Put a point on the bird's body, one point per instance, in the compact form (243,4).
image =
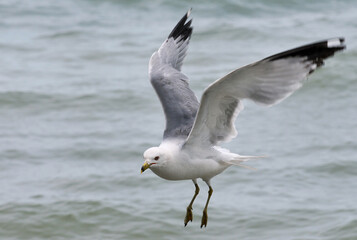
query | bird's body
(190,147)
(181,164)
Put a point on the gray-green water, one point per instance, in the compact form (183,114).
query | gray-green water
(77,111)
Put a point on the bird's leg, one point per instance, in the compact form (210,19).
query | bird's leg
(189,207)
(204,216)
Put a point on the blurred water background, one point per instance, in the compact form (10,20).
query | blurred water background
(77,111)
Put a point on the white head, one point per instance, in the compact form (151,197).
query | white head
(154,158)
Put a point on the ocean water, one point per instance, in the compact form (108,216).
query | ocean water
(77,111)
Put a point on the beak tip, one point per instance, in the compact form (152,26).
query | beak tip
(144,167)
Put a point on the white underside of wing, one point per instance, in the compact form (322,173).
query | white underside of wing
(265,82)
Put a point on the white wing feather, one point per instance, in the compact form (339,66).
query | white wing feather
(268,82)
(264,82)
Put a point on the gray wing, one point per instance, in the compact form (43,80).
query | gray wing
(268,82)
(178,101)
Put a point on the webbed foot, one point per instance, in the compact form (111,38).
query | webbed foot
(204,218)
(189,216)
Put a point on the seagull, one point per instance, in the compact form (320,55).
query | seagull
(190,148)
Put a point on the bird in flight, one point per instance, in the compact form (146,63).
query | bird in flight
(190,147)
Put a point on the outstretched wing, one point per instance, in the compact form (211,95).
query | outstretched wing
(268,81)
(178,101)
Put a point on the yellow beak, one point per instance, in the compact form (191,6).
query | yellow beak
(144,167)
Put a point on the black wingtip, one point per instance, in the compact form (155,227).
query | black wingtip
(316,52)
(182,28)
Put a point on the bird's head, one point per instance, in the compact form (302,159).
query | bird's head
(154,158)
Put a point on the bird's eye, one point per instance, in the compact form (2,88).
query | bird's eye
(156,158)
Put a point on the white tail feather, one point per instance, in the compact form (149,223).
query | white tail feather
(243,158)
(244,166)
(238,159)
